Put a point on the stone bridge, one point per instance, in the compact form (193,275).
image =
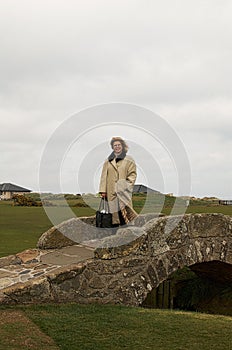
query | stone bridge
(126,274)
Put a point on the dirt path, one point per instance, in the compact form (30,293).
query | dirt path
(17,332)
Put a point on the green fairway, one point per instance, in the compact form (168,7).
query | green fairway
(21,227)
(222,209)
(104,327)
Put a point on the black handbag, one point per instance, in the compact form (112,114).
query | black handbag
(103,216)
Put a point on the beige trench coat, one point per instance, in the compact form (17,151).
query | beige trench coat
(117,180)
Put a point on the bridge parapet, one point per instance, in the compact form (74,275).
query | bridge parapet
(204,237)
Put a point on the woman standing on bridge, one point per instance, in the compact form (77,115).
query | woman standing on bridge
(117,182)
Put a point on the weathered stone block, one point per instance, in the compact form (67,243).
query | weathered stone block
(97,283)
(9,260)
(65,273)
(33,291)
(29,255)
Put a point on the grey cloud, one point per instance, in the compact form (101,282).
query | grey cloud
(172,56)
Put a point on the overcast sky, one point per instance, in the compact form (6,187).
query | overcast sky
(172,57)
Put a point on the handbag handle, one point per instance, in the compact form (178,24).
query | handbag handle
(104,205)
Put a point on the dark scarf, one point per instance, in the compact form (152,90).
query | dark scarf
(120,157)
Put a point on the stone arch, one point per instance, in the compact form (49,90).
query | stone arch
(197,284)
(153,257)
(126,274)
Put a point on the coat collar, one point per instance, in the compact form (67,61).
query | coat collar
(120,157)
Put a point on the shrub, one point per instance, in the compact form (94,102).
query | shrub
(22,200)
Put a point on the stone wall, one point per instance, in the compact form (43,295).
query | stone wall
(125,274)
(83,230)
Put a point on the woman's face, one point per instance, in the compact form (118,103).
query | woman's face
(117,147)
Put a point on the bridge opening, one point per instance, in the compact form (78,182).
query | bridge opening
(203,287)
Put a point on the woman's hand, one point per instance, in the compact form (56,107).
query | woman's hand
(103,194)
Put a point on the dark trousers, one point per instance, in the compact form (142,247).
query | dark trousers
(122,221)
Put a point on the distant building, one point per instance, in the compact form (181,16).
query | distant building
(225,202)
(8,190)
(143,189)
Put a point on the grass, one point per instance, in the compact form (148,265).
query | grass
(21,227)
(18,332)
(104,327)
(221,209)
